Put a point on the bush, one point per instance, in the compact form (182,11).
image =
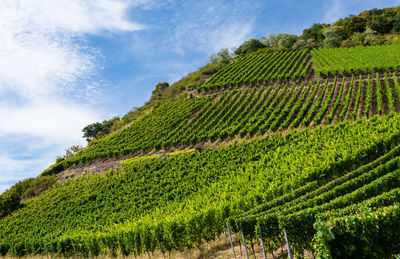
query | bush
(39,185)
(249,46)
(9,202)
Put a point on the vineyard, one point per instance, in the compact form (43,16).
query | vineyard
(248,113)
(261,68)
(181,201)
(356,59)
(285,148)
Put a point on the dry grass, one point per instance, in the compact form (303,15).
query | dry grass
(217,249)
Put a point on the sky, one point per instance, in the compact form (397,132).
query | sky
(67,63)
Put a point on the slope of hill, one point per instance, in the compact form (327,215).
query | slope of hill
(261,68)
(248,112)
(183,200)
(310,152)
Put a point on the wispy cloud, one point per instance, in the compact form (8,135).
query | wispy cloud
(209,25)
(14,169)
(42,49)
(48,70)
(54,121)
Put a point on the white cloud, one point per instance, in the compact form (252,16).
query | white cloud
(53,121)
(16,169)
(230,35)
(89,16)
(13,169)
(47,72)
(209,26)
(42,48)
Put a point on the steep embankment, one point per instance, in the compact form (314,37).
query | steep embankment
(296,149)
(241,114)
(183,200)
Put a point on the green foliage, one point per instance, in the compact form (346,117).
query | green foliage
(322,185)
(192,80)
(315,32)
(10,200)
(347,99)
(368,233)
(380,24)
(367,107)
(142,135)
(237,113)
(333,37)
(325,106)
(378,94)
(352,28)
(282,41)
(357,100)
(303,108)
(69,152)
(376,183)
(389,93)
(98,129)
(258,68)
(90,131)
(158,92)
(352,24)
(222,56)
(336,104)
(163,93)
(356,59)
(39,185)
(396,23)
(251,45)
(183,200)
(370,38)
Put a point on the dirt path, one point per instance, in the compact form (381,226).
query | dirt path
(350,108)
(327,90)
(374,100)
(363,97)
(384,97)
(333,100)
(346,89)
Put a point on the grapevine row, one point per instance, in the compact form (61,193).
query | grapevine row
(259,69)
(181,201)
(356,59)
(244,113)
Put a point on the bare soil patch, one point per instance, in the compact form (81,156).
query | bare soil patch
(350,108)
(374,100)
(333,100)
(385,100)
(363,98)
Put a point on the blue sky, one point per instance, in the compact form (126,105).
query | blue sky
(67,63)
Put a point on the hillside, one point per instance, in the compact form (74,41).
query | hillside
(184,199)
(288,147)
(246,112)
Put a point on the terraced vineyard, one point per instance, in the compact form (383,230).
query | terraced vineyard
(356,59)
(314,158)
(376,184)
(248,113)
(254,69)
(181,201)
